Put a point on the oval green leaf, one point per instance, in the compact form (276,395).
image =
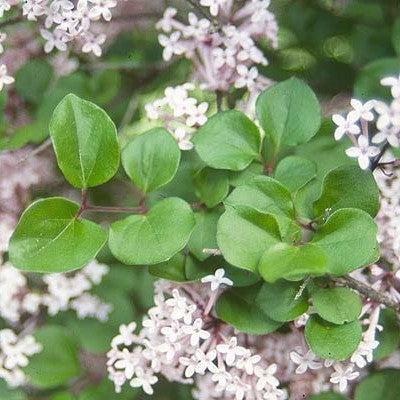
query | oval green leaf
(58,362)
(236,307)
(228,140)
(292,262)
(289,113)
(212,186)
(49,238)
(331,341)
(85,142)
(244,234)
(282,300)
(348,186)
(381,385)
(337,305)
(151,160)
(348,238)
(155,237)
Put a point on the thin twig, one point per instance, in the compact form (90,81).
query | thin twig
(375,163)
(34,152)
(131,210)
(367,291)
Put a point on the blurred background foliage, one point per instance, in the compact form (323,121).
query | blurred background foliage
(339,47)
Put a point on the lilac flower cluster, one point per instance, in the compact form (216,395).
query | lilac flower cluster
(223,47)
(371,126)
(182,340)
(61,292)
(180,113)
(329,374)
(14,355)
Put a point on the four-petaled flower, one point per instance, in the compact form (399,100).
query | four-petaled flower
(217,279)
(345,125)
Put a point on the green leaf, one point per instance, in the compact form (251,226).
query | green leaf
(62,396)
(267,195)
(49,238)
(337,305)
(151,159)
(327,396)
(389,337)
(331,341)
(32,80)
(381,385)
(104,86)
(396,36)
(292,262)
(105,391)
(172,270)
(294,172)
(348,186)
(204,235)
(7,393)
(85,142)
(289,113)
(228,140)
(264,194)
(244,234)
(242,177)
(236,307)
(367,85)
(58,362)
(212,186)
(348,238)
(282,300)
(155,237)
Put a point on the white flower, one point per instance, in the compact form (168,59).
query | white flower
(361,110)
(178,305)
(345,125)
(183,138)
(197,115)
(214,5)
(266,376)
(305,362)
(363,152)
(247,362)
(217,279)
(171,45)
(342,375)
(145,380)
(247,77)
(126,336)
(56,39)
(95,271)
(196,332)
(165,24)
(127,361)
(197,28)
(220,376)
(394,83)
(93,44)
(224,57)
(391,135)
(231,350)
(4,6)
(198,363)
(238,387)
(4,78)
(102,8)
(388,115)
